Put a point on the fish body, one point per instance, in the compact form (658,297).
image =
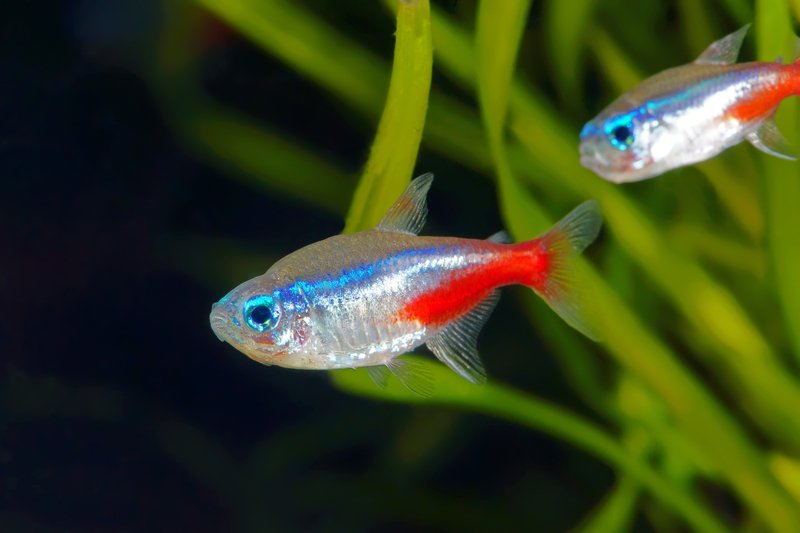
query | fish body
(363,299)
(690,113)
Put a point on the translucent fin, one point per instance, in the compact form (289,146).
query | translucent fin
(501,237)
(566,239)
(379,375)
(580,227)
(413,375)
(724,51)
(769,139)
(456,345)
(408,213)
(796,49)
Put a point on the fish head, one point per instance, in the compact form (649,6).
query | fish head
(623,144)
(263,320)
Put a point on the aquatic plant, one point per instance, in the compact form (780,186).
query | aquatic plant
(695,386)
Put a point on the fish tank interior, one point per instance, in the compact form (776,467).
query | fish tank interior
(155,154)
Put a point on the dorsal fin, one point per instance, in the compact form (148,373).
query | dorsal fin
(408,213)
(501,237)
(456,345)
(724,51)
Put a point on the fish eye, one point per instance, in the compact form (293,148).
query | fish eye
(261,313)
(621,135)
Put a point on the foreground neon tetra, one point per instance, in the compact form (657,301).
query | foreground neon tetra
(690,113)
(363,299)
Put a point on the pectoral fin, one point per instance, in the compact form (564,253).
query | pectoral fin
(769,139)
(724,51)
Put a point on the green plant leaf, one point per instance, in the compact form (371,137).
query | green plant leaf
(618,68)
(496,57)
(276,25)
(394,151)
(268,160)
(503,402)
(286,30)
(616,511)
(781,179)
(567,24)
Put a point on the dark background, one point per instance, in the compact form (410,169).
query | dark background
(120,409)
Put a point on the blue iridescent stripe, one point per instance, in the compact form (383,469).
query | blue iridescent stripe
(365,272)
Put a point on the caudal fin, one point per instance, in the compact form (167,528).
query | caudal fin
(555,282)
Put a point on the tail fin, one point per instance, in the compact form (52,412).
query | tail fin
(796,49)
(566,239)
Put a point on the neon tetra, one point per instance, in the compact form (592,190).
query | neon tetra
(364,299)
(690,113)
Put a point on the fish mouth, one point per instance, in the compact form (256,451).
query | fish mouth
(591,156)
(588,161)
(218,320)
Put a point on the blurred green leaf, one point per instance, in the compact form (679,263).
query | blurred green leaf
(269,161)
(618,510)
(504,402)
(782,179)
(284,28)
(451,128)
(394,150)
(740,10)
(697,25)
(618,68)
(496,58)
(566,24)
(720,249)
(787,470)
(695,410)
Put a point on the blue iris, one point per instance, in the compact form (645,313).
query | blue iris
(261,312)
(620,132)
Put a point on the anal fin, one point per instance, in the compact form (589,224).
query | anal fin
(413,375)
(456,345)
(379,375)
(770,140)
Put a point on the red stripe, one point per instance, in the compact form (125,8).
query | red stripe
(525,263)
(763,102)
